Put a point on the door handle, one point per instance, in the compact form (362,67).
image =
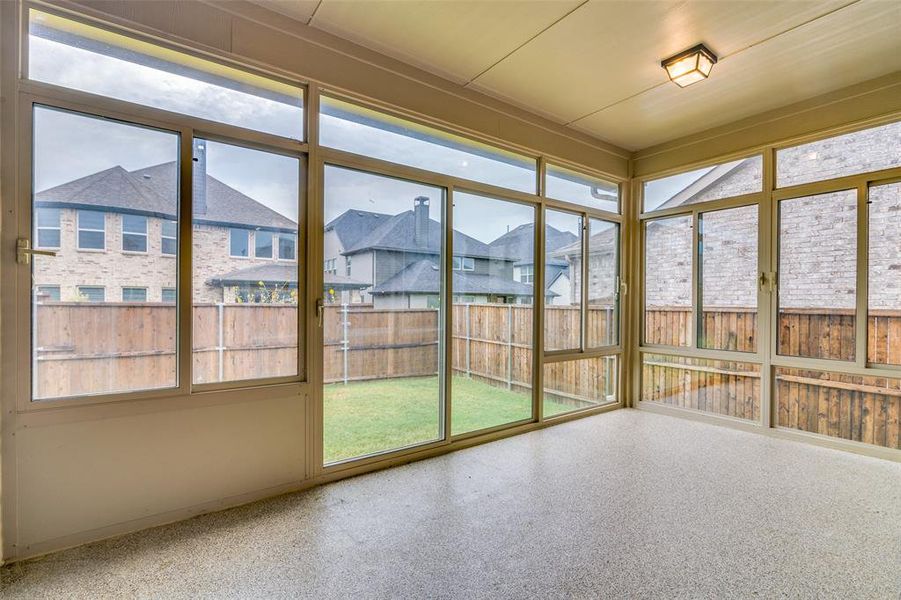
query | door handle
(320,310)
(24,251)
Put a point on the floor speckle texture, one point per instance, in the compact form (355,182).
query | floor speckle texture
(626,504)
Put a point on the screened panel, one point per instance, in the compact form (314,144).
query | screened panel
(571,186)
(667,281)
(735,178)
(850,154)
(603,284)
(360,130)
(579,384)
(884,326)
(562,280)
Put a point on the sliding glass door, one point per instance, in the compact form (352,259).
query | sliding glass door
(382,314)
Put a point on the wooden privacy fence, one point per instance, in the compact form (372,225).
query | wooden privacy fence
(857,408)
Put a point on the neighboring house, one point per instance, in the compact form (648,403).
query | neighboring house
(520,242)
(398,257)
(116,240)
(602,268)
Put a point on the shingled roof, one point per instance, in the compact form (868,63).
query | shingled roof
(519,243)
(281,273)
(422,277)
(153,191)
(360,231)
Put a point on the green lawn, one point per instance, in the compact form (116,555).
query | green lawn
(373,416)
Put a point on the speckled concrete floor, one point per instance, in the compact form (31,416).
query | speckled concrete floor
(627,504)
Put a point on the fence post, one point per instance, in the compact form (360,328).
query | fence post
(220,340)
(345,344)
(468,341)
(509,346)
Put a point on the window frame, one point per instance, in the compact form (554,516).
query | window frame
(59,229)
(79,229)
(256,245)
(133,288)
(145,235)
(79,289)
(164,237)
(231,242)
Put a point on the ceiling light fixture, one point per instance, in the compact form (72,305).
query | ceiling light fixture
(690,66)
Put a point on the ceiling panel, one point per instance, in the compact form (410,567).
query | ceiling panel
(451,38)
(609,50)
(855,44)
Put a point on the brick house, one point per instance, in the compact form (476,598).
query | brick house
(115,235)
(397,258)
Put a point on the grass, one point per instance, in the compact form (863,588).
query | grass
(373,416)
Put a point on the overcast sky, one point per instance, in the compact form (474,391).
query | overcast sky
(68,146)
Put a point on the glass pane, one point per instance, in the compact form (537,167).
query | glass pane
(286,247)
(570,186)
(577,384)
(728,278)
(134,294)
(245,308)
(262,244)
(82,57)
(849,154)
(851,407)
(742,176)
(381,326)
(884,338)
(349,127)
(86,341)
(492,347)
(718,387)
(818,275)
(562,280)
(667,281)
(603,284)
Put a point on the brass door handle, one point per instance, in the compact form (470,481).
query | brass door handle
(24,251)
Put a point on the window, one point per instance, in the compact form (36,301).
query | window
(134,294)
(347,265)
(91,230)
(667,281)
(134,233)
(464,263)
(47,228)
(562,261)
(48,293)
(91,293)
(287,245)
(353,128)
(735,178)
(727,243)
(720,387)
(108,348)
(246,322)
(331,266)
(169,237)
(168,296)
(570,186)
(884,343)
(851,407)
(87,58)
(239,242)
(573,385)
(850,154)
(382,365)
(818,276)
(603,284)
(527,274)
(262,244)
(492,339)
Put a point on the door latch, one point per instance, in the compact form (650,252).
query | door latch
(320,310)
(24,251)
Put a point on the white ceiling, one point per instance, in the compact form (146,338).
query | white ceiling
(595,65)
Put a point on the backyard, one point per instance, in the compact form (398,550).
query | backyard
(400,412)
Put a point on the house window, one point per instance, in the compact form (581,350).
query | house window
(169,238)
(134,294)
(48,293)
(527,274)
(91,293)
(91,230)
(134,233)
(331,266)
(168,295)
(262,244)
(347,266)
(239,243)
(48,231)
(287,247)
(464,263)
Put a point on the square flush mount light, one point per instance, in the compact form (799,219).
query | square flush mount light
(690,66)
